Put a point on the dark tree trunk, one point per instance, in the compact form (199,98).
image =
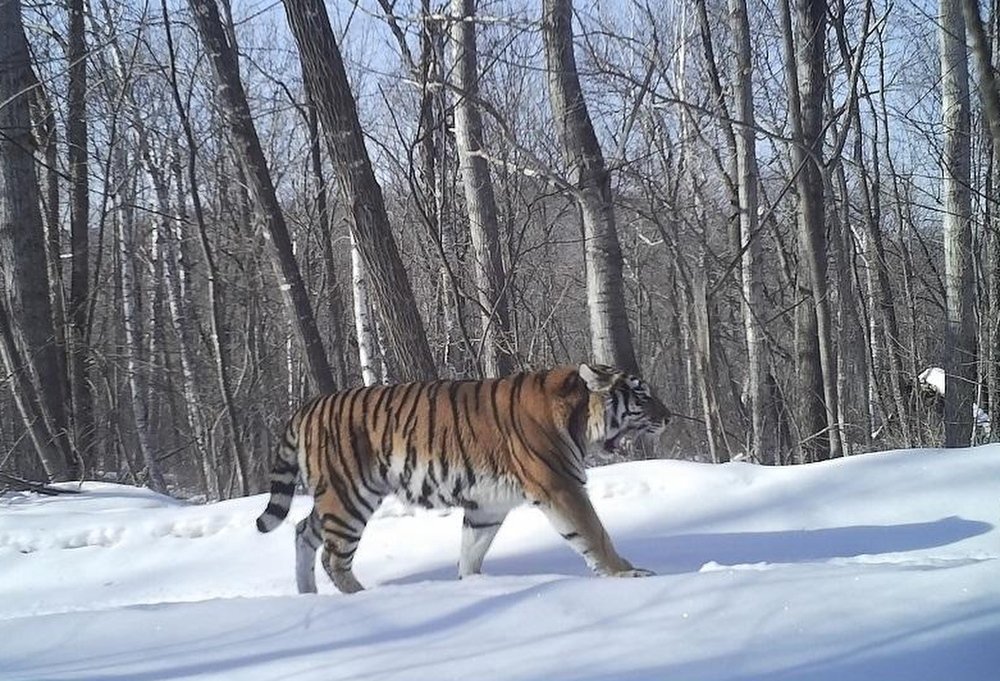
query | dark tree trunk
(24,285)
(79,188)
(323,68)
(233,103)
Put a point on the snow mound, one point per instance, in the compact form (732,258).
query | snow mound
(882,566)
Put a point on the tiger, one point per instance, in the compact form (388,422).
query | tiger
(485,446)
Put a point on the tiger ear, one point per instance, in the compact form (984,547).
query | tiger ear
(597,381)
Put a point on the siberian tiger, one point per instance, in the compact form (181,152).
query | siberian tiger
(486,446)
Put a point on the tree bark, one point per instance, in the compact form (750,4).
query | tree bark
(24,284)
(747,174)
(323,68)
(138,386)
(610,335)
(805,65)
(79,278)
(960,335)
(241,460)
(233,103)
(364,325)
(480,202)
(990,97)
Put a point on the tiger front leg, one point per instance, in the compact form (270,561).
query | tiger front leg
(574,518)
(479,527)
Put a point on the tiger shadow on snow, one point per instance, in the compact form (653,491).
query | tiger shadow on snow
(671,554)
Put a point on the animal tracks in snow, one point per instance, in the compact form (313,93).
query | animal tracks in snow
(96,532)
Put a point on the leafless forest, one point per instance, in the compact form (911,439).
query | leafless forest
(780,214)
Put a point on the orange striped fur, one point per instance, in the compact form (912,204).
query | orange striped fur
(485,446)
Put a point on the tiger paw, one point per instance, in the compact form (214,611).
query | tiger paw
(634,572)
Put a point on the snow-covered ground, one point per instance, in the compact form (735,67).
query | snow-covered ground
(878,567)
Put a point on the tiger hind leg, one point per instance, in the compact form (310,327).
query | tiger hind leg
(307,542)
(340,541)
(338,557)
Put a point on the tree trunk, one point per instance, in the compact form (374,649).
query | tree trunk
(241,461)
(763,444)
(990,97)
(364,325)
(390,287)
(233,103)
(960,334)
(138,386)
(805,65)
(182,316)
(480,202)
(324,218)
(610,336)
(24,284)
(79,278)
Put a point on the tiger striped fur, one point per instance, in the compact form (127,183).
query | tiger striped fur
(486,446)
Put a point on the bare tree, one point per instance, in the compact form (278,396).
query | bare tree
(138,386)
(393,296)
(479,198)
(222,362)
(805,60)
(610,335)
(990,97)
(232,99)
(79,280)
(24,286)
(960,334)
(747,178)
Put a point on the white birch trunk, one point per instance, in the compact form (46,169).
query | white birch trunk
(364,324)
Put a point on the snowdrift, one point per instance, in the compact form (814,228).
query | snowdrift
(883,566)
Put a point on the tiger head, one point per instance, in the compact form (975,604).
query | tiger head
(630,407)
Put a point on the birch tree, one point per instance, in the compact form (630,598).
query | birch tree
(79,280)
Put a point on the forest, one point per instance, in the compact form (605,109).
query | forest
(781,215)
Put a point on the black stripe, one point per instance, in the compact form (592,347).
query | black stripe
(348,537)
(276,509)
(494,389)
(478,526)
(340,485)
(349,479)
(362,465)
(285,488)
(570,536)
(335,520)
(408,423)
(432,394)
(469,409)
(345,556)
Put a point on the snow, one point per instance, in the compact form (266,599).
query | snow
(934,378)
(883,566)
